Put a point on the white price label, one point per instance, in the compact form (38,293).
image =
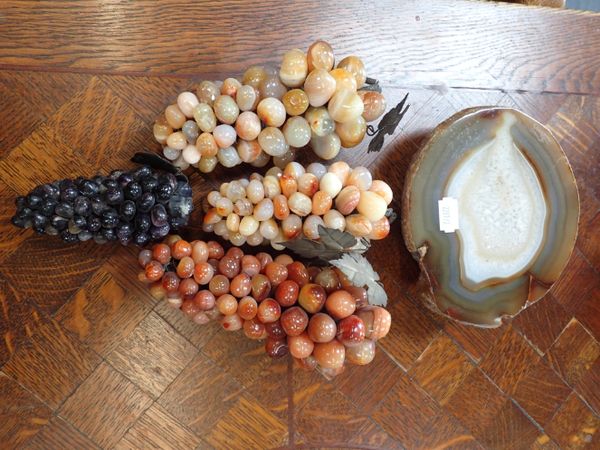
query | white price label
(448,213)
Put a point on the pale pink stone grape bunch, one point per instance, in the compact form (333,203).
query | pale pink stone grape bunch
(289,203)
(271,113)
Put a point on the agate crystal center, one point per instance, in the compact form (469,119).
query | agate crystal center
(502,210)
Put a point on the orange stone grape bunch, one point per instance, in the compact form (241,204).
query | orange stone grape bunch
(314,314)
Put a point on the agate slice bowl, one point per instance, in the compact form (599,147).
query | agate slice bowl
(515,200)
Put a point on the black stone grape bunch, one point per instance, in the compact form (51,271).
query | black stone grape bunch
(139,206)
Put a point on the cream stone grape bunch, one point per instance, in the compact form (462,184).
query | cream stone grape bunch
(285,204)
(271,113)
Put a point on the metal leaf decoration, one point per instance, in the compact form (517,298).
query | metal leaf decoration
(332,244)
(387,125)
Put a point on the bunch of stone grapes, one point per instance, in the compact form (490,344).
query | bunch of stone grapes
(294,202)
(271,113)
(313,313)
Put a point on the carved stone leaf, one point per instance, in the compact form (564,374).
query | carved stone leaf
(360,273)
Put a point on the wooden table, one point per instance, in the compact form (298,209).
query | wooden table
(88,359)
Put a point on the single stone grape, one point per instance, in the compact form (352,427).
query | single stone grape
(276,348)
(186,101)
(253,329)
(358,225)
(301,346)
(272,141)
(356,67)
(247,126)
(271,111)
(320,121)
(227,304)
(297,131)
(247,98)
(319,87)
(161,130)
(247,308)
(207,92)
(345,105)
(374,105)
(268,311)
(205,117)
(287,292)
(351,133)
(205,300)
(343,80)
(294,321)
(351,331)
(294,68)
(362,353)
(360,177)
(271,86)
(295,102)
(175,118)
(226,109)
(230,87)
(312,297)
(372,206)
(225,135)
(261,287)
(326,147)
(232,322)
(330,355)
(219,285)
(347,200)
(277,273)
(320,56)
(254,76)
(377,321)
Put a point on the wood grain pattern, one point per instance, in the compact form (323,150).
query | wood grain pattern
(52,364)
(247,425)
(406,413)
(88,359)
(102,313)
(574,352)
(60,434)
(509,360)
(158,429)
(21,414)
(152,355)
(540,392)
(441,369)
(575,426)
(105,405)
(20,318)
(201,395)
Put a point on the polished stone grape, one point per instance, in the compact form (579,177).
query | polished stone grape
(268,311)
(322,328)
(276,348)
(287,293)
(294,321)
(301,346)
(312,297)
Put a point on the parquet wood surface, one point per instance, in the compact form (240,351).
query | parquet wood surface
(89,360)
